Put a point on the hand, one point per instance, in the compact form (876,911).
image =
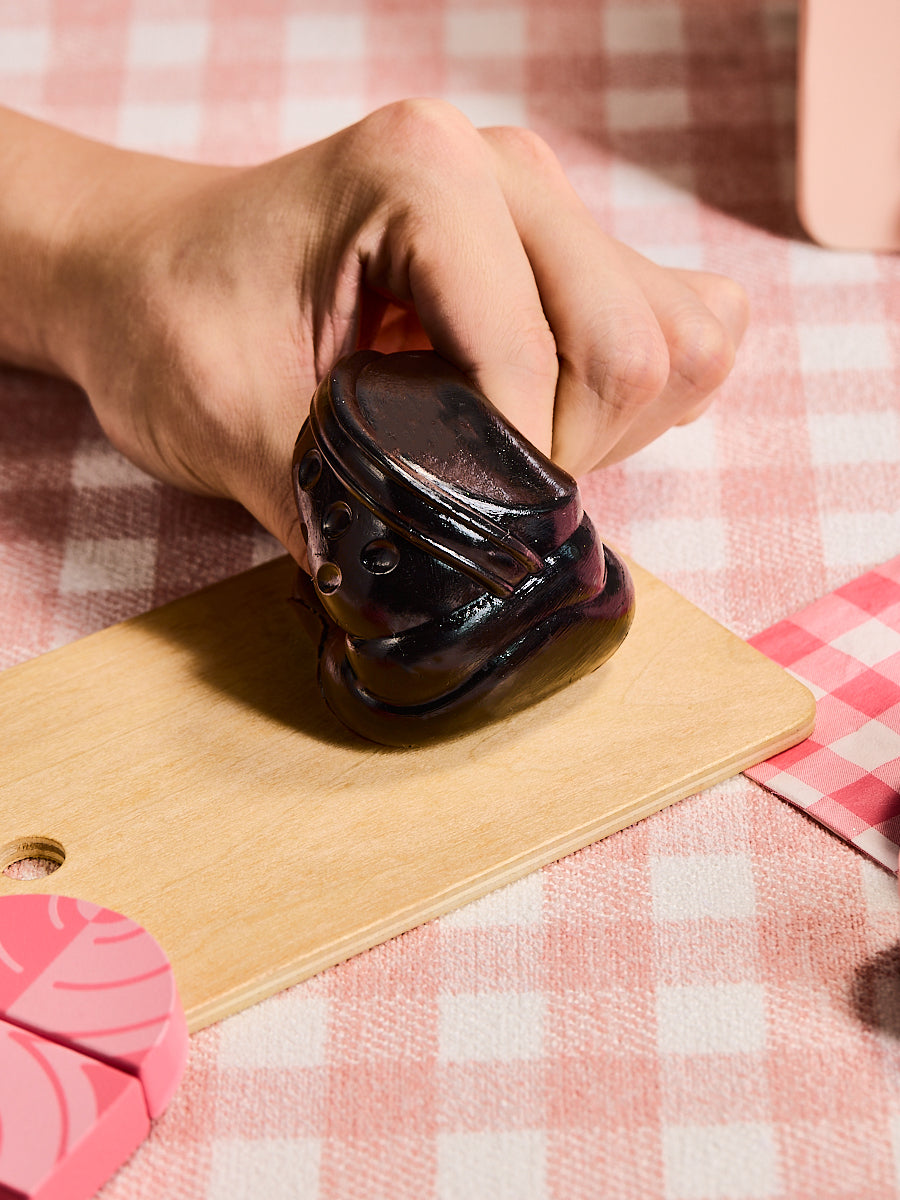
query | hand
(205,302)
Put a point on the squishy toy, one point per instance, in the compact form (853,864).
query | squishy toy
(454,576)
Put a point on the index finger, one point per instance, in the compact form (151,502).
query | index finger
(451,247)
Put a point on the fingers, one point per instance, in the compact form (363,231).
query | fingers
(588,348)
(722,296)
(727,300)
(451,249)
(702,318)
(641,348)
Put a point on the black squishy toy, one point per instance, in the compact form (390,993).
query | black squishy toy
(455,576)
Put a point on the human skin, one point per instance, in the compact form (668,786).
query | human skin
(198,306)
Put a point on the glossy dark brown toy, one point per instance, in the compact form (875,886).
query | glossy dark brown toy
(455,577)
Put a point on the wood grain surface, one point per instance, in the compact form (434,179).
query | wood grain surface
(184,766)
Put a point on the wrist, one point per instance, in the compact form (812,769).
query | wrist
(74,214)
(45,170)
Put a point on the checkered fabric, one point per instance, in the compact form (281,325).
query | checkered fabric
(705,1006)
(846,649)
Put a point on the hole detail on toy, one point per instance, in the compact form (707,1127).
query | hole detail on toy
(31,858)
(309,470)
(380,557)
(328,578)
(337,520)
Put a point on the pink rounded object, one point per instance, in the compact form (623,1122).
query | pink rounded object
(92,980)
(66,1121)
(848,123)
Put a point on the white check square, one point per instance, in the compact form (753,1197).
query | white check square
(815,265)
(726,1018)
(682,448)
(485,32)
(643,28)
(852,347)
(507,1165)
(159,127)
(107,564)
(647,108)
(693,886)
(277,1168)
(680,543)
(98,465)
(518,903)
(284,1031)
(327,36)
(847,536)
(870,746)
(491,1026)
(738,1161)
(24,51)
(871,642)
(799,793)
(860,437)
(162,44)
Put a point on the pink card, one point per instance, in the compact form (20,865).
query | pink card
(846,649)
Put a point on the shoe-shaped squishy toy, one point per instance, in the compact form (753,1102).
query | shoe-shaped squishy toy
(454,575)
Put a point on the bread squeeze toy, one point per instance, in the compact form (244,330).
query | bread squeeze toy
(455,577)
(93,1042)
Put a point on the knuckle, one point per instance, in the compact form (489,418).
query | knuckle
(635,372)
(701,352)
(736,302)
(418,130)
(526,146)
(728,301)
(535,352)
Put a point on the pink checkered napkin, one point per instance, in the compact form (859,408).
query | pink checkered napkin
(846,649)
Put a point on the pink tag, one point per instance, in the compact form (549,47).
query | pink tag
(846,649)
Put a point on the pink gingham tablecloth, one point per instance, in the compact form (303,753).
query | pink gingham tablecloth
(703,1007)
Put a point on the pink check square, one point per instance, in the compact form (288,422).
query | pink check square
(846,649)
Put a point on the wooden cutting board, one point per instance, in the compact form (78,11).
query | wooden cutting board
(184,766)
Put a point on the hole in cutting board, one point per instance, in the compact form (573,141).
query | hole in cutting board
(31,858)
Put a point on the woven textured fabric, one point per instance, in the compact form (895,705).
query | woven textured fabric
(705,1006)
(846,648)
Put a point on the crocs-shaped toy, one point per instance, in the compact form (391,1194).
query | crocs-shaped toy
(454,575)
